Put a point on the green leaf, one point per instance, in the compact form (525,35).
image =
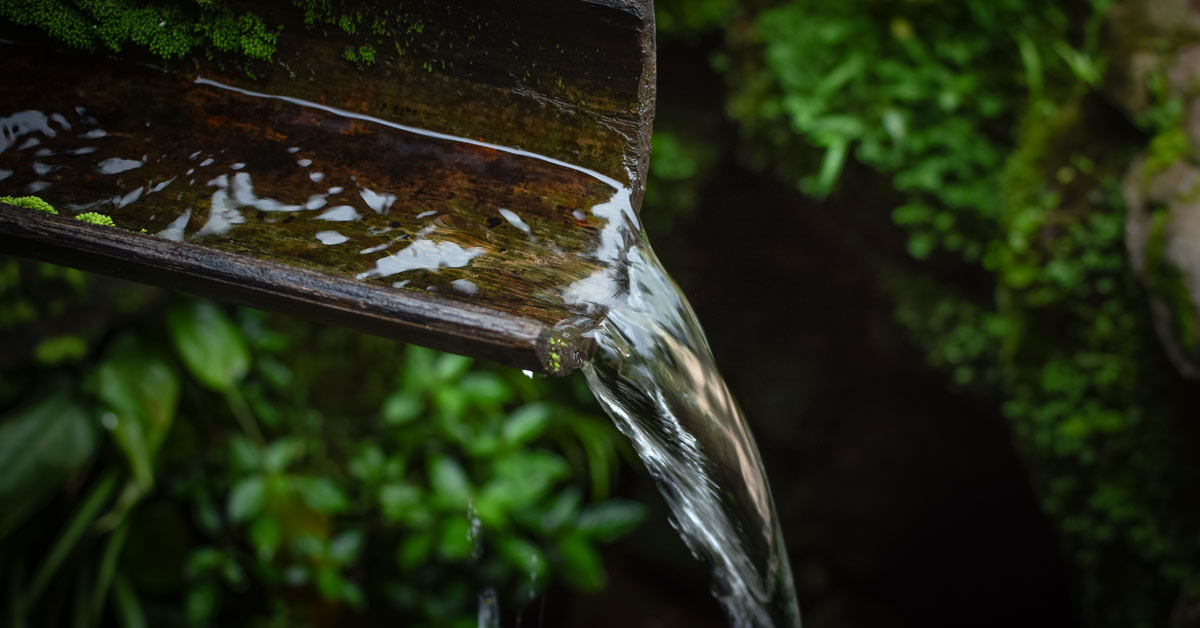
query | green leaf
(41,445)
(582,564)
(527,423)
(611,520)
(418,374)
(527,475)
(369,465)
(450,366)
(77,526)
(59,349)
(484,445)
(266,535)
(140,390)
(345,547)
(330,583)
(247,498)
(244,455)
(451,487)
(519,480)
(492,506)
(129,608)
(282,453)
(527,558)
(451,404)
(201,604)
(309,546)
(485,389)
(560,510)
(276,373)
(457,540)
(211,347)
(398,500)
(415,549)
(322,495)
(402,407)
(202,561)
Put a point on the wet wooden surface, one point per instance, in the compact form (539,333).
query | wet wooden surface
(306,190)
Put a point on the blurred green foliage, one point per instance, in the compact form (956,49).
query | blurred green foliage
(238,468)
(926,93)
(988,120)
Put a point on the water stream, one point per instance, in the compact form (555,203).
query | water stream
(654,374)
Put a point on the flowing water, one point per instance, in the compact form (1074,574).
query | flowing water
(655,376)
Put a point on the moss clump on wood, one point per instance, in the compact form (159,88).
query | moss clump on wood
(96,219)
(167,31)
(37,204)
(29,202)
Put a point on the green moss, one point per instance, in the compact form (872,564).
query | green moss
(1006,168)
(554,355)
(1168,281)
(1065,342)
(176,29)
(1167,148)
(367,53)
(165,31)
(364,54)
(96,219)
(315,11)
(29,202)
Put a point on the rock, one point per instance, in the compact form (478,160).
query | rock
(1162,234)
(1156,62)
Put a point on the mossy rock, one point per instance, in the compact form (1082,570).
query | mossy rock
(1163,237)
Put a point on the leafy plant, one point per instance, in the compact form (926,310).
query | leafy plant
(989,123)
(294,474)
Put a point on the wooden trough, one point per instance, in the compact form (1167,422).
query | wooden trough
(440,193)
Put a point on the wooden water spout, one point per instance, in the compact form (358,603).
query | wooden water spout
(424,174)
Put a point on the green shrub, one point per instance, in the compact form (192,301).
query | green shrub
(987,120)
(282,471)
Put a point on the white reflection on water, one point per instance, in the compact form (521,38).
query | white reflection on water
(117,165)
(425,255)
(330,238)
(514,220)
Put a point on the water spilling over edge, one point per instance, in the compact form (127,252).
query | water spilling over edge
(654,374)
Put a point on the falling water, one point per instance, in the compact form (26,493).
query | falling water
(656,378)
